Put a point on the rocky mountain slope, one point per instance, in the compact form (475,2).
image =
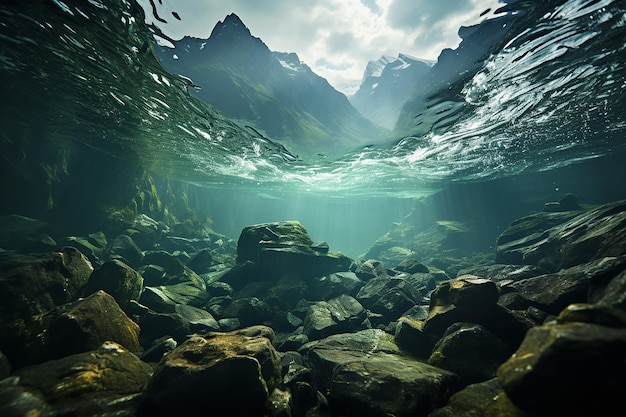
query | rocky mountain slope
(387,84)
(275,92)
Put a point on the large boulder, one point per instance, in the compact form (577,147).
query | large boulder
(553,292)
(325,354)
(68,329)
(365,374)
(117,279)
(337,315)
(573,369)
(592,235)
(253,238)
(286,248)
(89,383)
(470,351)
(230,374)
(481,399)
(33,284)
(389,385)
(333,285)
(503,272)
(389,296)
(470,299)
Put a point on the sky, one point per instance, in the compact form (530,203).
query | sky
(336,38)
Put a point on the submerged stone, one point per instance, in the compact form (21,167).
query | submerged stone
(285,248)
(481,399)
(389,385)
(72,328)
(591,235)
(78,382)
(230,374)
(573,369)
(117,279)
(325,354)
(470,351)
(337,315)
(33,284)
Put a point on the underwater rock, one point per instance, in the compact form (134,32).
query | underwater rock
(573,369)
(567,203)
(172,265)
(124,247)
(476,300)
(608,286)
(228,373)
(200,320)
(293,341)
(32,284)
(156,326)
(153,275)
(68,329)
(592,235)
(278,404)
(456,238)
(533,224)
(410,336)
(482,399)
(411,266)
(187,288)
(286,248)
(19,401)
(146,231)
(5,366)
(370,269)
(88,383)
(307,402)
(553,292)
(156,299)
(159,348)
(593,314)
(337,315)
(93,249)
(201,261)
(249,311)
(253,238)
(219,289)
(614,294)
(116,279)
(383,384)
(503,272)
(470,351)
(334,285)
(389,296)
(322,356)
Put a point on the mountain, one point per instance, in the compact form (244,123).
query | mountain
(439,100)
(387,84)
(275,92)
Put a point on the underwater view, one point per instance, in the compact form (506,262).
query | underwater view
(204,226)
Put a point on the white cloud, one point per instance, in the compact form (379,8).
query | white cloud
(336,38)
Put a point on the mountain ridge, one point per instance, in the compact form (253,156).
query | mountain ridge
(387,84)
(240,76)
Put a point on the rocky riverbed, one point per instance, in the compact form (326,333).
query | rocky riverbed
(154,323)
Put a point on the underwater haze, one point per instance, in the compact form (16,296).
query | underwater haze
(84,74)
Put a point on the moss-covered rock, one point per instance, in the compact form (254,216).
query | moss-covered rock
(108,371)
(33,284)
(72,328)
(573,369)
(230,373)
(117,279)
